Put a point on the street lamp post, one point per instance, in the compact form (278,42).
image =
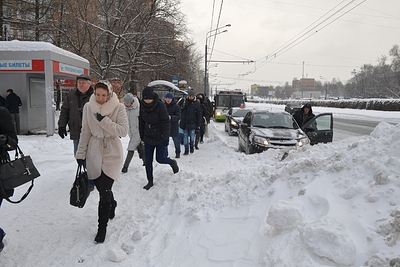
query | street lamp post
(208,35)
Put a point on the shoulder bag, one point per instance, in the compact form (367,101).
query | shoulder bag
(14,173)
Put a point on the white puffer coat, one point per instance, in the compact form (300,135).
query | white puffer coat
(100,141)
(133,117)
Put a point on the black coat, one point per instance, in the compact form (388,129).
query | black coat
(71,111)
(12,103)
(204,114)
(7,128)
(191,115)
(2,101)
(302,118)
(175,112)
(154,125)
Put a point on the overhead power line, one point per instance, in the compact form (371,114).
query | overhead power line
(310,30)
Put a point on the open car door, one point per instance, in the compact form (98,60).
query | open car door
(320,128)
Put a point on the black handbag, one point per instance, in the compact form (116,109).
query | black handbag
(80,189)
(14,173)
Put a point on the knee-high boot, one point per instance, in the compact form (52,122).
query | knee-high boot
(113,206)
(104,215)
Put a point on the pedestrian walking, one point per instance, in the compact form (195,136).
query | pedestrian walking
(72,110)
(8,141)
(12,103)
(104,122)
(154,126)
(132,107)
(190,121)
(204,114)
(174,112)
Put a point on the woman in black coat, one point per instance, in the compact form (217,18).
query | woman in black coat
(8,141)
(154,128)
(174,112)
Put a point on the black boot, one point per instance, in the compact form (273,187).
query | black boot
(128,160)
(104,215)
(113,206)
(148,185)
(174,166)
(191,149)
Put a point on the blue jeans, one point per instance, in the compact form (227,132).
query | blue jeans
(76,143)
(177,144)
(188,134)
(161,157)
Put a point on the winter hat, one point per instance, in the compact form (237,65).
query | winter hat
(199,96)
(169,95)
(83,77)
(307,105)
(148,93)
(107,84)
(128,98)
(191,92)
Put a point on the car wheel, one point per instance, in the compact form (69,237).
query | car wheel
(230,131)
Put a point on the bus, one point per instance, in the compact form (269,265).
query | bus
(224,100)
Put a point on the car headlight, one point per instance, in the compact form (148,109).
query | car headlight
(261,140)
(233,123)
(303,142)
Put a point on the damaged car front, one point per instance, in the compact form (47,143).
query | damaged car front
(261,130)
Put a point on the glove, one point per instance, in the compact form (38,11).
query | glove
(62,132)
(3,140)
(165,143)
(80,162)
(99,116)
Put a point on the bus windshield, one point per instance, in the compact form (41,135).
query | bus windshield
(229,101)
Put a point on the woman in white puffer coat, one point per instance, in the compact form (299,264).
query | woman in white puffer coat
(104,122)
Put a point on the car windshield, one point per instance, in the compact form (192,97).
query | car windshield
(294,105)
(240,112)
(274,120)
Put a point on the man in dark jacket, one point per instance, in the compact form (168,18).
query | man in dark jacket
(2,101)
(154,129)
(71,112)
(303,115)
(12,103)
(8,138)
(174,112)
(190,121)
(204,116)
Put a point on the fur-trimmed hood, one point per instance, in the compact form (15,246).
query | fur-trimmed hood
(104,109)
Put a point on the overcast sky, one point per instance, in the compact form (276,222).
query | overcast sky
(280,35)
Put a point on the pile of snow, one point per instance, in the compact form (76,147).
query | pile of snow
(326,205)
